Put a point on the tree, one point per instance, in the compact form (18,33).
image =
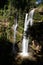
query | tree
(2,3)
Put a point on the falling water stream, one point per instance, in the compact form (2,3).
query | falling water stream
(15,32)
(28,21)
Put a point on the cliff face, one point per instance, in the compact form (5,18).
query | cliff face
(38,15)
(41,10)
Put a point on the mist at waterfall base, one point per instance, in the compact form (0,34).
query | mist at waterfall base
(25,42)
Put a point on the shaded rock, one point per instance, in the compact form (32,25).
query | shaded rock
(5,52)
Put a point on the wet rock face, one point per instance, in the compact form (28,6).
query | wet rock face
(37,29)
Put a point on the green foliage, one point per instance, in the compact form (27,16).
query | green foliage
(19,8)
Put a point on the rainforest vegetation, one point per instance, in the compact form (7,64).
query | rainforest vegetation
(10,11)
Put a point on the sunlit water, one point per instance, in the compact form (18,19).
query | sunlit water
(28,21)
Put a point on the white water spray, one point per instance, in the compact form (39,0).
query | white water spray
(26,39)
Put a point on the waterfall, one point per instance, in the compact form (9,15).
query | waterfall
(28,21)
(15,29)
(15,32)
